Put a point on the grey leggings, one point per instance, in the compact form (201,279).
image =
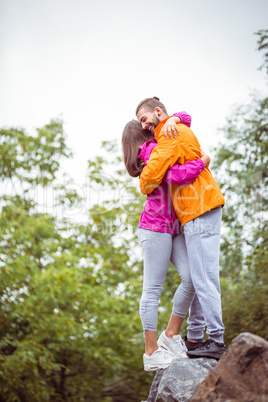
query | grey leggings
(159,249)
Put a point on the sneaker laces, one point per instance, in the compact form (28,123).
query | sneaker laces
(180,343)
(208,342)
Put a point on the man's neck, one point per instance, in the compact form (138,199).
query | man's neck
(159,127)
(163,116)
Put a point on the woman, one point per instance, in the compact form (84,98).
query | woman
(162,242)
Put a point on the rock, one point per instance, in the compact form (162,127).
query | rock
(240,375)
(178,381)
(155,385)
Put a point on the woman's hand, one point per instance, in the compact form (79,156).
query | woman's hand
(170,127)
(205,158)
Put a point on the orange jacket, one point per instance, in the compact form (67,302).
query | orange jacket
(189,201)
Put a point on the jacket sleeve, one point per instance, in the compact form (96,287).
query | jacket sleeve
(185,118)
(184,174)
(162,158)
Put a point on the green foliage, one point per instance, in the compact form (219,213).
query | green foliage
(32,159)
(70,327)
(241,161)
(263,45)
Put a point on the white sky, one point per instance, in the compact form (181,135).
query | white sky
(91,62)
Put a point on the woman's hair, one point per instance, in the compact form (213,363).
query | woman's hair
(134,136)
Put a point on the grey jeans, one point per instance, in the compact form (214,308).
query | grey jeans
(159,249)
(202,236)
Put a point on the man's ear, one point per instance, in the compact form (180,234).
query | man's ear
(158,111)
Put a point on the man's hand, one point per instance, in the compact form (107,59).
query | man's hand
(170,127)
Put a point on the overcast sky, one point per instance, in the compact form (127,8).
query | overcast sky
(91,62)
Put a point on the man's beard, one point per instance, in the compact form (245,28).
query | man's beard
(155,122)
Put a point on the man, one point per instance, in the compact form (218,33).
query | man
(199,208)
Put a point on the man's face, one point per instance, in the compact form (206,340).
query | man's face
(148,120)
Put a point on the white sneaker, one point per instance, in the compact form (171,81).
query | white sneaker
(159,359)
(175,345)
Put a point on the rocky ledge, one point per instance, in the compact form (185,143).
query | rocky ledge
(241,375)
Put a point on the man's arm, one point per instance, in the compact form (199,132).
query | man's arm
(162,158)
(178,174)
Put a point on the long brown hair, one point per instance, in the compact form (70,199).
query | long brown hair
(134,136)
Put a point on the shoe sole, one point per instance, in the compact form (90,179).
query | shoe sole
(154,368)
(216,356)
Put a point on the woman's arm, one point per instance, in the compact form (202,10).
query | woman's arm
(179,174)
(170,127)
(187,173)
(184,118)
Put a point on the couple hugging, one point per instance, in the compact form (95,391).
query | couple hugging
(180,223)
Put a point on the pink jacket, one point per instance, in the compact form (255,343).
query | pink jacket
(158,214)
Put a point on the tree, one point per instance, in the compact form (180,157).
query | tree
(70,328)
(263,45)
(242,164)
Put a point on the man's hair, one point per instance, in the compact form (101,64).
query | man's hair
(134,136)
(149,104)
